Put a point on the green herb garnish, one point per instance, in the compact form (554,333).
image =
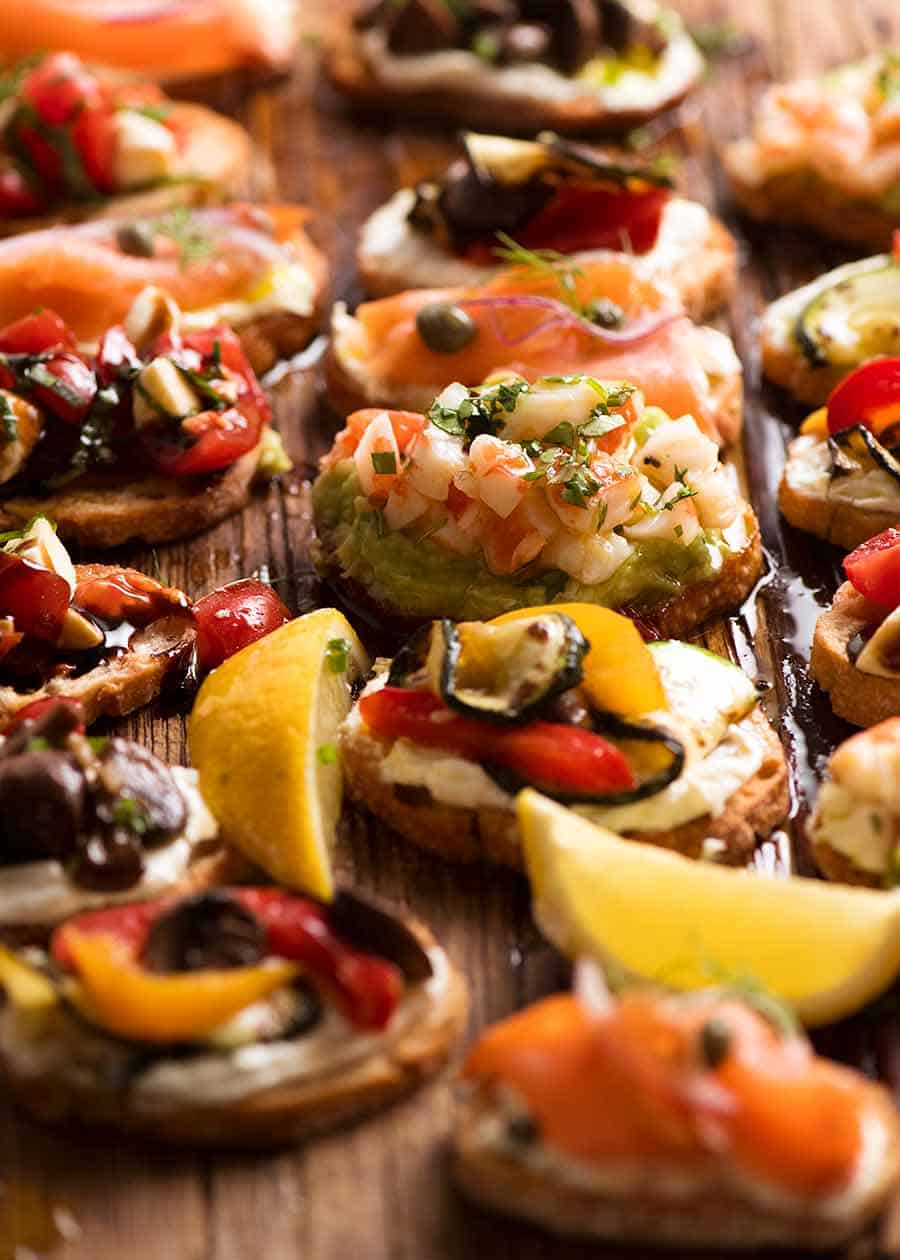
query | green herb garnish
(327,754)
(384,462)
(337,655)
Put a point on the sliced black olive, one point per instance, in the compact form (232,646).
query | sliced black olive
(508,673)
(372,927)
(107,860)
(136,238)
(42,805)
(474,204)
(211,930)
(858,450)
(445,328)
(138,792)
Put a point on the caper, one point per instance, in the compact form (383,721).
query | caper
(715,1042)
(604,313)
(522,1129)
(445,328)
(136,238)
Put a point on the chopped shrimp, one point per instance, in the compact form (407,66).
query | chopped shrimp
(499,471)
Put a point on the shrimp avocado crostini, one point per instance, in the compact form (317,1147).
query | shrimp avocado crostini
(514,494)
(662,743)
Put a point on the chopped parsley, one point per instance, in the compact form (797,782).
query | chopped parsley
(578,487)
(683,492)
(481,412)
(337,655)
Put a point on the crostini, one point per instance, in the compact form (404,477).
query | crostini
(662,743)
(855,826)
(157,436)
(75,144)
(575,66)
(168,41)
(512,495)
(542,318)
(547,194)
(670,1119)
(252,267)
(824,152)
(841,480)
(856,644)
(814,337)
(90,822)
(239,1017)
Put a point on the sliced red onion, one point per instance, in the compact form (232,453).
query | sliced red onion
(561,315)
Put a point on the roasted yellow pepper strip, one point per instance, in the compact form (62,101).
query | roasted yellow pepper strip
(620,674)
(816,423)
(25,987)
(123,998)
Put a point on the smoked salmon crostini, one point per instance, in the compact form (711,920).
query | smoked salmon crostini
(243,1016)
(668,1119)
(252,267)
(826,152)
(575,66)
(168,40)
(156,436)
(542,318)
(660,743)
(550,194)
(75,144)
(511,495)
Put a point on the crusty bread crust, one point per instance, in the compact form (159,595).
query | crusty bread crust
(491,834)
(212,167)
(121,684)
(351,74)
(841,523)
(860,698)
(104,511)
(276,1116)
(716,1214)
(279,335)
(789,199)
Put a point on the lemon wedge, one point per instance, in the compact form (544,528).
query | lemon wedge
(262,737)
(825,949)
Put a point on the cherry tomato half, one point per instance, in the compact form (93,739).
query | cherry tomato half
(65,385)
(874,568)
(17,196)
(35,334)
(35,598)
(95,140)
(869,396)
(59,89)
(233,617)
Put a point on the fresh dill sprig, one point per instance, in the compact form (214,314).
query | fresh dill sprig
(543,262)
(181,225)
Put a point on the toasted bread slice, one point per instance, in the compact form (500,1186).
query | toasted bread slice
(860,698)
(212,167)
(273,1116)
(491,834)
(785,365)
(714,1214)
(108,511)
(695,252)
(804,502)
(478,102)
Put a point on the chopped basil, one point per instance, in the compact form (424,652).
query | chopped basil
(601,423)
(563,435)
(578,487)
(38,373)
(384,462)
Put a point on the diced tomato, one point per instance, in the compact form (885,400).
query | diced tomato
(17,196)
(874,568)
(60,88)
(35,334)
(869,396)
(94,137)
(407,425)
(116,356)
(567,758)
(35,598)
(72,391)
(37,709)
(128,595)
(233,617)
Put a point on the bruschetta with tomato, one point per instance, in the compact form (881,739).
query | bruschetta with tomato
(662,743)
(91,821)
(243,1016)
(854,829)
(688,1121)
(252,267)
(548,194)
(825,152)
(513,494)
(841,480)
(856,644)
(79,144)
(157,435)
(573,65)
(542,317)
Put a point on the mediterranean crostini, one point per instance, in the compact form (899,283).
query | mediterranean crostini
(657,1118)
(542,318)
(518,65)
(841,480)
(825,152)
(856,645)
(240,1017)
(512,495)
(156,436)
(75,144)
(252,267)
(547,194)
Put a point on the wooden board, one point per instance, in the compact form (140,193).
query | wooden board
(380,1191)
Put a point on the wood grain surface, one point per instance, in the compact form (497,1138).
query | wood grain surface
(380,1191)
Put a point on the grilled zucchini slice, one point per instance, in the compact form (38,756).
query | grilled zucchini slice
(855,318)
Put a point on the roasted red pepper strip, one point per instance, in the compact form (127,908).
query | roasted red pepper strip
(874,568)
(869,396)
(567,757)
(365,987)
